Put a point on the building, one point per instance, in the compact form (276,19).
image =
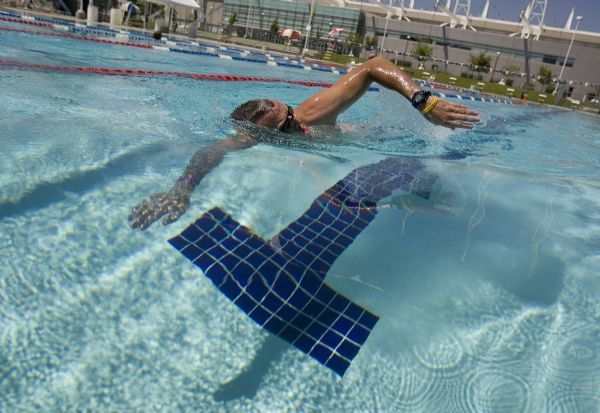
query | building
(452,33)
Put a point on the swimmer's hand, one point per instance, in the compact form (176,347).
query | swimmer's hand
(172,203)
(452,115)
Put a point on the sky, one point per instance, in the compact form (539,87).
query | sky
(557,11)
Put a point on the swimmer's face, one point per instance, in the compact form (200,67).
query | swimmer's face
(281,117)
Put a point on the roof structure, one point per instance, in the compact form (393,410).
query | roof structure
(530,24)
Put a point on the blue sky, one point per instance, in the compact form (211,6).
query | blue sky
(556,12)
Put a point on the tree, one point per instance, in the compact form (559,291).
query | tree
(544,75)
(372,41)
(274,27)
(232,19)
(511,70)
(480,63)
(422,50)
(354,38)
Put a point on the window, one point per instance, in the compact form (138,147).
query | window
(570,92)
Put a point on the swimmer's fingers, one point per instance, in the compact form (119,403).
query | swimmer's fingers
(148,211)
(145,218)
(452,115)
(176,210)
(459,124)
(463,116)
(137,210)
(172,217)
(174,203)
(463,110)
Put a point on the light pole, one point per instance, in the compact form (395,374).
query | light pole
(579,19)
(494,69)
(209,18)
(308,27)
(262,20)
(406,46)
(387,21)
(248,18)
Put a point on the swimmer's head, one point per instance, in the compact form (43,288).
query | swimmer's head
(252,110)
(269,113)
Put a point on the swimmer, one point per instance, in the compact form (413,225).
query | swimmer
(322,108)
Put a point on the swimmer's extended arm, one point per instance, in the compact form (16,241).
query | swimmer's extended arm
(174,202)
(329,103)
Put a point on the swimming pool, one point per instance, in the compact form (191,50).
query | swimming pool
(487,291)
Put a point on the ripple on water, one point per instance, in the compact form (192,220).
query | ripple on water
(510,340)
(495,390)
(405,382)
(573,402)
(444,358)
(574,359)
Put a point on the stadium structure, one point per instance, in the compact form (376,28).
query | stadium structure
(517,49)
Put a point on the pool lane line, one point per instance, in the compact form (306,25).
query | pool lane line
(174,45)
(207,76)
(76,37)
(25,21)
(471,98)
(139,72)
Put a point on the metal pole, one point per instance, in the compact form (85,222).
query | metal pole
(308,28)
(206,21)
(579,19)
(494,69)
(248,18)
(387,20)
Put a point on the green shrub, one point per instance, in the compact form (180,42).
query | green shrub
(527,86)
(404,63)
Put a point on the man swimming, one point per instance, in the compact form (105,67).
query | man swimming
(322,108)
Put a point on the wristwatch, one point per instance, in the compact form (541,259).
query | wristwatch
(419,98)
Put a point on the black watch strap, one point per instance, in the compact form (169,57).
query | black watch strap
(419,98)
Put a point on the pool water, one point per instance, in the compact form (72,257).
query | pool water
(487,291)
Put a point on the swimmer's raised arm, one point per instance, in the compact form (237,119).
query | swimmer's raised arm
(325,106)
(174,202)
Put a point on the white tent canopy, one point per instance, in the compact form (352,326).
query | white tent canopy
(176,3)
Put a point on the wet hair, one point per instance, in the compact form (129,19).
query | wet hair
(252,110)
(157,35)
